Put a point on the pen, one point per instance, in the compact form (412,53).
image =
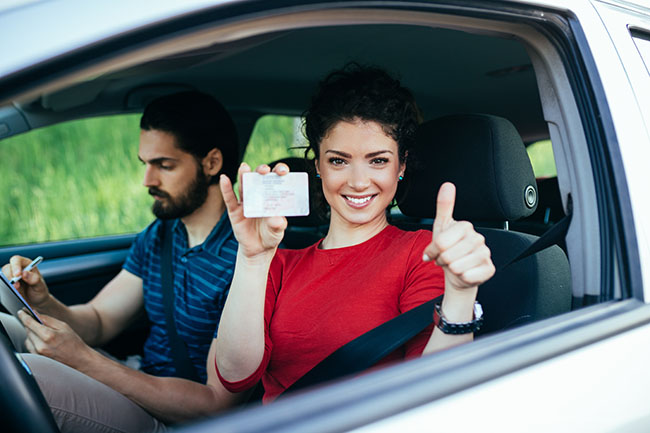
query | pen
(29,267)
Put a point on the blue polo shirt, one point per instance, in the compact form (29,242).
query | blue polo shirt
(202,277)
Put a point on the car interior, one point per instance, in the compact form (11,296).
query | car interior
(487,88)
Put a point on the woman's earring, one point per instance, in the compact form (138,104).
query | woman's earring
(401,178)
(317,176)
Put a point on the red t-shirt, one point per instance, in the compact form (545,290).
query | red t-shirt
(318,300)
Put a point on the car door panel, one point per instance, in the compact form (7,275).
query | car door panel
(77,270)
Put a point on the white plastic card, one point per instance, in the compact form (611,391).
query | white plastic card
(274,195)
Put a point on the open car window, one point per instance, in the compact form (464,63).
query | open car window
(73,180)
(275,137)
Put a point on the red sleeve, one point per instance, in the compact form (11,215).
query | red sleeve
(272,289)
(424,282)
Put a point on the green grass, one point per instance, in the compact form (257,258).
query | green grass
(541,157)
(74,180)
(274,137)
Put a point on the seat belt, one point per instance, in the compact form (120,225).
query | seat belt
(368,349)
(180,357)
(551,237)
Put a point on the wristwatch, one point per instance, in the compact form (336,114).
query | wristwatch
(458,328)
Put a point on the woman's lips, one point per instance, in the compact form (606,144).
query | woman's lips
(359,201)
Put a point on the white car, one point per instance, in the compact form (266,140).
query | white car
(568,342)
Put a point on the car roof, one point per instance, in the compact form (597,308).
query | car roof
(639,5)
(450,71)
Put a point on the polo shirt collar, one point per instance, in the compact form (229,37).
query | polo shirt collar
(219,234)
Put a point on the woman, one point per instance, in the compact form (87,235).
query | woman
(289,309)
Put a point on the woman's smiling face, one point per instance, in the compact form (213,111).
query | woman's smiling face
(359,167)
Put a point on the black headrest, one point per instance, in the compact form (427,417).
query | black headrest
(315,217)
(483,156)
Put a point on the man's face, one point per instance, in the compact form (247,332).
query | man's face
(174,177)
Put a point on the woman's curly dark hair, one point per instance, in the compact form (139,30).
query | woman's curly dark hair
(365,93)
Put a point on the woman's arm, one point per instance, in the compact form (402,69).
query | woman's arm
(240,344)
(466,262)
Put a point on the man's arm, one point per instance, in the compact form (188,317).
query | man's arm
(97,321)
(107,314)
(168,398)
(116,306)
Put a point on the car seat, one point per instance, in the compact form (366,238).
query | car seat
(485,158)
(549,210)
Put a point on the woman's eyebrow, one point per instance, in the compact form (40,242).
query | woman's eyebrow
(368,155)
(337,152)
(373,154)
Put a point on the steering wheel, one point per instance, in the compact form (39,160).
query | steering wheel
(23,405)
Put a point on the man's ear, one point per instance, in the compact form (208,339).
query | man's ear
(212,162)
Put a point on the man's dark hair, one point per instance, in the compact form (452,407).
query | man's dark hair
(365,93)
(199,123)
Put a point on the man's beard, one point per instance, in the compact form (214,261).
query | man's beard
(179,207)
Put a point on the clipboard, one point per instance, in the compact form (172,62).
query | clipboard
(13,301)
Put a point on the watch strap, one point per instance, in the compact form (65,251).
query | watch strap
(458,328)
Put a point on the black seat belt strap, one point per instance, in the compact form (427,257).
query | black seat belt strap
(549,238)
(366,350)
(180,357)
(371,347)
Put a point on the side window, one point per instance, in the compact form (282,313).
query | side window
(541,157)
(275,137)
(549,206)
(74,180)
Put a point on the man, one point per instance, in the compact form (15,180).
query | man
(187,140)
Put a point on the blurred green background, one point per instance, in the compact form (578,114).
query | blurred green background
(73,180)
(83,178)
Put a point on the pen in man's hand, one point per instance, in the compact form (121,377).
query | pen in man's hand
(29,267)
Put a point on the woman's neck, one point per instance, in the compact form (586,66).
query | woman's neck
(343,234)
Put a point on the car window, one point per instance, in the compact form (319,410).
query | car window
(275,137)
(73,180)
(541,157)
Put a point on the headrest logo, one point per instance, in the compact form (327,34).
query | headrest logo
(530,196)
